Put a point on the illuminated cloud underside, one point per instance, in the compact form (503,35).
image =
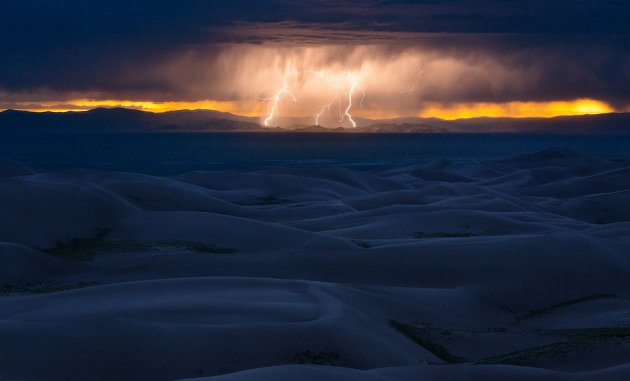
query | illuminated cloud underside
(332,84)
(447,59)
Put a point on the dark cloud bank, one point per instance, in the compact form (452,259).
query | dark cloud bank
(115,49)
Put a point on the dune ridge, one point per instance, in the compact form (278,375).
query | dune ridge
(510,268)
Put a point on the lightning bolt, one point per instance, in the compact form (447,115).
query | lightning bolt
(325,108)
(349,88)
(354,84)
(419,72)
(345,84)
(275,100)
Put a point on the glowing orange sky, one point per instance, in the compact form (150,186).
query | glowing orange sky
(330,84)
(517,109)
(245,80)
(258,108)
(244,108)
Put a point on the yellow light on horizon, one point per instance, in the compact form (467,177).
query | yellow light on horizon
(258,108)
(243,108)
(516,109)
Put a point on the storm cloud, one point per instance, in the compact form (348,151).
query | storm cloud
(425,51)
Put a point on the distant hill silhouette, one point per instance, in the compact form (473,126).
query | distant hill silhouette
(125,120)
(128,120)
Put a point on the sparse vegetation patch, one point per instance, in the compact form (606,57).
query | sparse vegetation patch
(324,357)
(272,200)
(362,244)
(444,234)
(421,337)
(550,308)
(566,341)
(84,249)
(41,287)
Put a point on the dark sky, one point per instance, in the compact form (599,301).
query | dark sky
(466,51)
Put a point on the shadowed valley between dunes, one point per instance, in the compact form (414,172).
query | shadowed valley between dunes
(494,269)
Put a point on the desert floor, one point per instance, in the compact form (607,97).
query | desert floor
(497,269)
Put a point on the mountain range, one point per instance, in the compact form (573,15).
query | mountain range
(129,120)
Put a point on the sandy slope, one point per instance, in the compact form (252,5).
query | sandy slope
(513,268)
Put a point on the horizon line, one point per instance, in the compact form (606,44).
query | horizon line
(71,111)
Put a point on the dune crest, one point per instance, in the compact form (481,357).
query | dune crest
(494,269)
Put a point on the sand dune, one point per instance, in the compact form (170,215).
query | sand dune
(413,373)
(513,268)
